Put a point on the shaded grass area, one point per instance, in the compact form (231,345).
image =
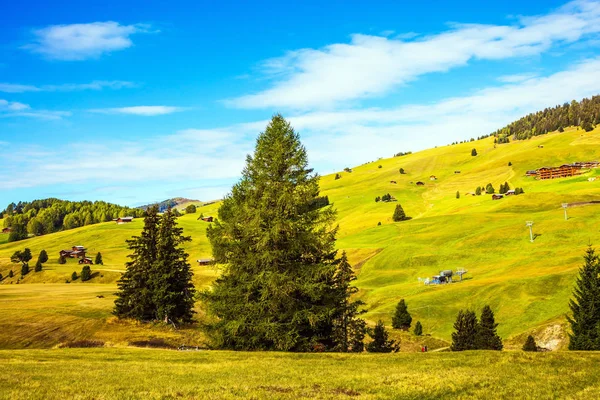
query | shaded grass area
(163,374)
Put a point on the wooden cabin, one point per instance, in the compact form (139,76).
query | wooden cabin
(457,172)
(497,196)
(510,192)
(206,219)
(564,171)
(393,182)
(86,260)
(76,251)
(532,172)
(204,261)
(123,220)
(6,230)
(420,183)
(433,178)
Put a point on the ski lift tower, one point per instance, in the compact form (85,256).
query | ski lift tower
(530,225)
(564,206)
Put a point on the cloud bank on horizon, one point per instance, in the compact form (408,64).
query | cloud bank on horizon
(356,97)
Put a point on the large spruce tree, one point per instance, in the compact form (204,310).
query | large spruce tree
(134,298)
(465,330)
(171,275)
(486,337)
(277,288)
(585,305)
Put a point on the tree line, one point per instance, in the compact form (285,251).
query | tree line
(51,215)
(584,114)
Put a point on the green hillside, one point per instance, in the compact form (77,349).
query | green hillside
(527,284)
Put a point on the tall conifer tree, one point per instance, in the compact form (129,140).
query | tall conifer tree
(134,298)
(277,288)
(171,275)
(401,318)
(585,305)
(465,330)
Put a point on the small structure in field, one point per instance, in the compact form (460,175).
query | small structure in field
(433,178)
(6,230)
(123,220)
(532,172)
(204,261)
(497,196)
(75,252)
(206,219)
(541,146)
(457,172)
(592,179)
(511,192)
(393,182)
(443,277)
(420,183)
(86,260)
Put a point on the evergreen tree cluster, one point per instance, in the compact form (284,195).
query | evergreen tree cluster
(191,209)
(584,114)
(157,283)
(585,305)
(400,154)
(385,198)
(282,286)
(40,217)
(471,334)
(489,189)
(504,187)
(338,176)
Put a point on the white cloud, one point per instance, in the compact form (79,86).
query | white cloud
(83,41)
(515,78)
(65,87)
(16,109)
(146,111)
(373,65)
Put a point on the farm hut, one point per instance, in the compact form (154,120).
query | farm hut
(393,182)
(6,230)
(207,219)
(204,261)
(420,183)
(497,196)
(541,146)
(532,172)
(510,192)
(592,179)
(123,220)
(433,178)
(86,260)
(457,172)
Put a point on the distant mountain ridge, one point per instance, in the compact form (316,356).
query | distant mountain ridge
(165,204)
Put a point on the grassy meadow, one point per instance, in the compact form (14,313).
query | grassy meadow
(163,374)
(526,284)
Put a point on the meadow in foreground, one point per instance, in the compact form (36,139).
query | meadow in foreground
(121,373)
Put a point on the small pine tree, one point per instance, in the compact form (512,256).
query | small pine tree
(457,194)
(380,343)
(585,318)
(401,318)
(86,273)
(379,223)
(465,331)
(337,176)
(377,199)
(486,337)
(38,266)
(399,214)
(478,191)
(489,189)
(561,129)
(418,329)
(510,164)
(379,166)
(11,274)
(98,260)
(74,276)
(474,152)
(62,259)
(530,344)
(402,172)
(24,269)
(43,257)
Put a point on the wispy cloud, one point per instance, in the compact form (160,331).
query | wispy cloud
(16,109)
(83,41)
(516,77)
(146,111)
(65,87)
(374,65)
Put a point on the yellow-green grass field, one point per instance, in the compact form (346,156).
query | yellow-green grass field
(527,284)
(164,374)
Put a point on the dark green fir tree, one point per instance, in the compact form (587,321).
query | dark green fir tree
(401,319)
(381,343)
(465,330)
(486,337)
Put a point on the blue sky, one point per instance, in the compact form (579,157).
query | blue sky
(133,102)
